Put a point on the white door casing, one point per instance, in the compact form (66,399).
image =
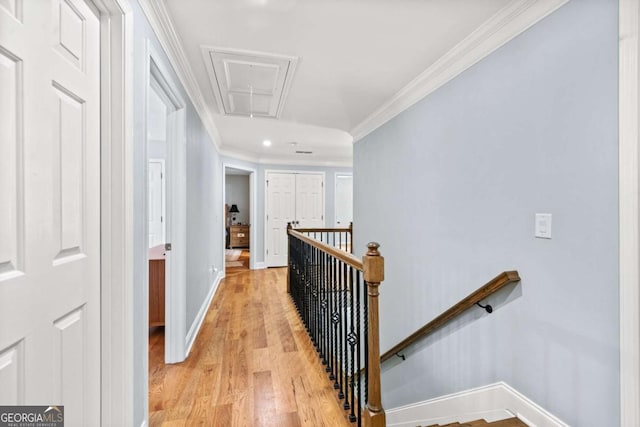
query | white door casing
(253,265)
(50,212)
(344,200)
(156,202)
(292,197)
(159,80)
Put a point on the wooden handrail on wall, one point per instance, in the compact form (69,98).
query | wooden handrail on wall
(497,283)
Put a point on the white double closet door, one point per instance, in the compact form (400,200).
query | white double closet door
(50,207)
(296,198)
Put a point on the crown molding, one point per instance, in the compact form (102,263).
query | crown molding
(506,24)
(163,27)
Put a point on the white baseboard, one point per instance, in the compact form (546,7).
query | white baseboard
(492,402)
(259,266)
(197,322)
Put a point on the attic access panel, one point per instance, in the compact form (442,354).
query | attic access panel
(249,83)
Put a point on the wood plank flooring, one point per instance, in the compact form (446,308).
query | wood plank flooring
(252,364)
(243,259)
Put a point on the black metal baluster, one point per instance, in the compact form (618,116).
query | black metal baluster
(312,293)
(307,300)
(303,288)
(342,334)
(336,320)
(318,301)
(357,377)
(327,313)
(353,339)
(322,305)
(345,353)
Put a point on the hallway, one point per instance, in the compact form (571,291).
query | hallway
(252,364)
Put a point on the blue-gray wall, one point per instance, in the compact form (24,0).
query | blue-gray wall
(450,188)
(204,208)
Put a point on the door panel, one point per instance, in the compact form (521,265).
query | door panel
(50,211)
(309,201)
(12,374)
(68,171)
(11,167)
(280,211)
(344,200)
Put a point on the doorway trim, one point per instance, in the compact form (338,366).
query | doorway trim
(629,211)
(116,201)
(253,264)
(176,212)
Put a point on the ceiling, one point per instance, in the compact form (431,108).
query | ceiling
(352,57)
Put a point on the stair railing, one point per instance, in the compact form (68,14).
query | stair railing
(336,295)
(340,238)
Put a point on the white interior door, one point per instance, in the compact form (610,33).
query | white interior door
(309,200)
(344,200)
(281,208)
(50,207)
(291,197)
(156,204)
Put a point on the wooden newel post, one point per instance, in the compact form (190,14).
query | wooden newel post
(351,237)
(373,265)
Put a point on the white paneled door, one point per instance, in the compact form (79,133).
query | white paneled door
(309,200)
(291,197)
(281,209)
(50,207)
(344,200)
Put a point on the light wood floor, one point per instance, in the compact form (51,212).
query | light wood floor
(252,364)
(243,259)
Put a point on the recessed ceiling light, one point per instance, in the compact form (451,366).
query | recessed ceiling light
(266,143)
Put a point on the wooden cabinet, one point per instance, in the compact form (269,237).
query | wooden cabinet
(156,285)
(239,236)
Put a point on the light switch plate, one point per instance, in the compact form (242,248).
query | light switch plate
(543,225)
